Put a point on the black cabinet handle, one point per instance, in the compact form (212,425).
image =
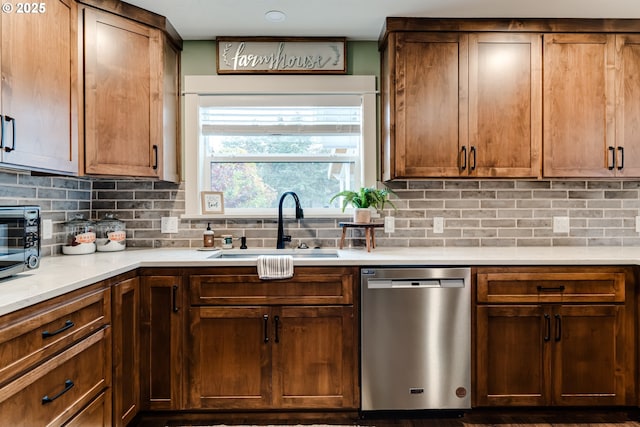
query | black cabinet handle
(1,131)
(621,161)
(551,289)
(265,318)
(13,136)
(472,153)
(276,321)
(612,155)
(68,384)
(463,154)
(68,324)
(155,157)
(547,327)
(558,327)
(174,298)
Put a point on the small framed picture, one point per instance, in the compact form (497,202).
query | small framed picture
(212,202)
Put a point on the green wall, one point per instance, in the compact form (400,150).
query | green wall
(199,58)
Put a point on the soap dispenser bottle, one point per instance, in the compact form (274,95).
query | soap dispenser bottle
(208,236)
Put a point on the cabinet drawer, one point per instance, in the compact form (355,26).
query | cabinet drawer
(521,285)
(41,333)
(230,286)
(53,392)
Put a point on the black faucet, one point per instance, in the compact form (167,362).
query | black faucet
(299,215)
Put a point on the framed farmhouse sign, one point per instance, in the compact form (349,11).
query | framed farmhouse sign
(287,55)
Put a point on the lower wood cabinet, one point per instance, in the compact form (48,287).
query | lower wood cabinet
(545,337)
(126,350)
(55,359)
(96,414)
(162,312)
(274,355)
(271,357)
(53,392)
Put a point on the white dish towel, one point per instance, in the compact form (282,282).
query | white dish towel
(271,267)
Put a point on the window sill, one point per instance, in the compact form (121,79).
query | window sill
(287,215)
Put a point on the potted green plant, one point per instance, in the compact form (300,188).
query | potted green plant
(363,200)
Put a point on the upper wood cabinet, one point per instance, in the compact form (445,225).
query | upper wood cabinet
(131,77)
(591,105)
(579,73)
(505,112)
(627,105)
(39,99)
(461,104)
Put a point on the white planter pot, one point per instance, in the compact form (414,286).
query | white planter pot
(362,215)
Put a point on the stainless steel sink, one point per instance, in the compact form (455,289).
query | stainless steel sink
(296,253)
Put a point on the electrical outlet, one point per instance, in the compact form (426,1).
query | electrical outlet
(438,225)
(169,224)
(638,224)
(389,224)
(47,229)
(561,224)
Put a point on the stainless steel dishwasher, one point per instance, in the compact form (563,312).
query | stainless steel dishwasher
(415,338)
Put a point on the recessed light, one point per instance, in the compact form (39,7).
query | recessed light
(275,16)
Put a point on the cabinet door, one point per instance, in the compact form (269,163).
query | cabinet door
(126,351)
(431,105)
(628,105)
(39,101)
(589,356)
(314,355)
(578,91)
(161,342)
(513,344)
(123,110)
(229,357)
(505,105)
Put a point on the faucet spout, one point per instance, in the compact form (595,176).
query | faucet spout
(299,215)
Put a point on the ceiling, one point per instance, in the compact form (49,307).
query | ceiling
(358,19)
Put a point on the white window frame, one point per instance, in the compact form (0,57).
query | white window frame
(194,86)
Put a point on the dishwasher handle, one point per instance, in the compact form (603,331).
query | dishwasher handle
(414,283)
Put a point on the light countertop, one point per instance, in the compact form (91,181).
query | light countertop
(58,275)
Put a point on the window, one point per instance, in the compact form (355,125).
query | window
(305,134)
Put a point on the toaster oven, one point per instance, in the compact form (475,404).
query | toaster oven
(19,239)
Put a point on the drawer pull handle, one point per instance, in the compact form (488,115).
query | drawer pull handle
(551,289)
(68,384)
(68,324)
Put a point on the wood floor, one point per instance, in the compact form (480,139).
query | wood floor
(478,418)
